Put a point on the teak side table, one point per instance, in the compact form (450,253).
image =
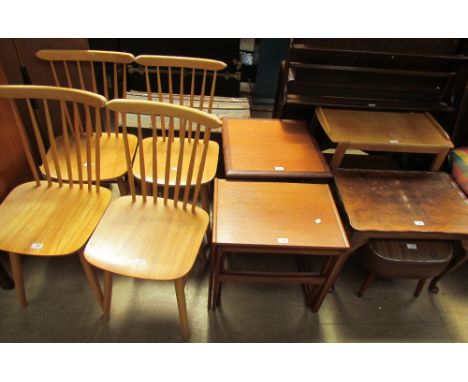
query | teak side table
(384,131)
(284,218)
(266,149)
(406,205)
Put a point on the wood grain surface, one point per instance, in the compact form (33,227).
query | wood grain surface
(267,148)
(407,202)
(282,215)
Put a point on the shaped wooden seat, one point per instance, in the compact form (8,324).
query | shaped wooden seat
(46,218)
(86,67)
(149,237)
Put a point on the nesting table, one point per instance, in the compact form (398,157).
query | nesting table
(404,205)
(266,149)
(384,131)
(283,218)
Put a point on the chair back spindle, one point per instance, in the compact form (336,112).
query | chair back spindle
(83,103)
(174,166)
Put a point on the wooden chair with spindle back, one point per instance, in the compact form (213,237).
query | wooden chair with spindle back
(195,98)
(83,66)
(151,237)
(54,217)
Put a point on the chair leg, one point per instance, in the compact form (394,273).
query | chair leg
(366,284)
(17,271)
(122,187)
(92,279)
(180,294)
(107,294)
(419,287)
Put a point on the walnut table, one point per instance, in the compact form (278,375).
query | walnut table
(404,205)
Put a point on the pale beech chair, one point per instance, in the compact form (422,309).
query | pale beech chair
(83,66)
(150,237)
(184,71)
(54,218)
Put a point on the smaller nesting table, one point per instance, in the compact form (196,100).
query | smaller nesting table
(271,149)
(384,131)
(284,218)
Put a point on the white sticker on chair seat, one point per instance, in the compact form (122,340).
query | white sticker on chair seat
(419,222)
(394,141)
(37,245)
(411,246)
(279,168)
(283,240)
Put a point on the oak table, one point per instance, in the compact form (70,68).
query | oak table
(271,149)
(283,218)
(406,205)
(384,131)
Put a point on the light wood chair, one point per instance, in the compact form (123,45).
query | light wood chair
(84,66)
(190,93)
(54,218)
(150,237)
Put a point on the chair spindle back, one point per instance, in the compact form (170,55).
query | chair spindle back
(73,103)
(186,70)
(185,116)
(64,63)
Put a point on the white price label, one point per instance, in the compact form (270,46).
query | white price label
(411,246)
(318,221)
(37,245)
(283,240)
(394,141)
(279,168)
(418,222)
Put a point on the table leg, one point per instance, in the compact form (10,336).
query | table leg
(439,160)
(212,272)
(338,155)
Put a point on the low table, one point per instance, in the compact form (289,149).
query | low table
(271,149)
(404,205)
(384,131)
(284,218)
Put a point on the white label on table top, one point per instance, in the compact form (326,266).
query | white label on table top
(411,246)
(283,240)
(419,222)
(372,104)
(85,164)
(37,245)
(394,141)
(318,221)
(279,168)
(139,261)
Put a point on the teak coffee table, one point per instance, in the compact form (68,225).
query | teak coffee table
(384,131)
(404,205)
(271,149)
(284,218)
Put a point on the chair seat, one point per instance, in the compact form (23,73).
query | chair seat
(49,221)
(113,163)
(407,258)
(210,164)
(147,240)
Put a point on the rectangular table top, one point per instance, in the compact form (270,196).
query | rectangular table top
(268,214)
(382,127)
(271,148)
(397,201)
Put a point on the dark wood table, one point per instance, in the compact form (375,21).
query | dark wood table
(271,149)
(404,205)
(384,131)
(283,218)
